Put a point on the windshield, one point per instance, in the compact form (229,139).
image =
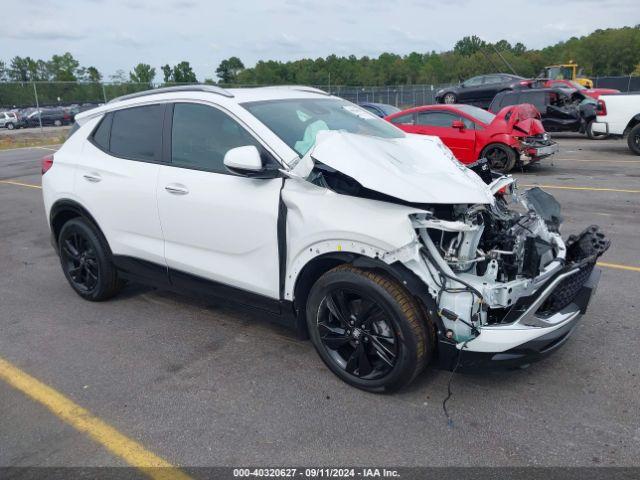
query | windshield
(298,121)
(578,86)
(560,73)
(477,113)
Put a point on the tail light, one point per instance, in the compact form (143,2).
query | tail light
(601,109)
(47,163)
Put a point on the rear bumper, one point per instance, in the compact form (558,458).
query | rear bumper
(541,341)
(600,127)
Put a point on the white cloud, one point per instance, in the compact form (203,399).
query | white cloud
(117,34)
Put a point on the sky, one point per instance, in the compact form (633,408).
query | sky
(117,34)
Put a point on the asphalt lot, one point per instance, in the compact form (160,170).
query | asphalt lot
(201,384)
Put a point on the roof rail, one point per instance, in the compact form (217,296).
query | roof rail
(300,88)
(177,88)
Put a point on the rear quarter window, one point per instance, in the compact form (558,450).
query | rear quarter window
(100,136)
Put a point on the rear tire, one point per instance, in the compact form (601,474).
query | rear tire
(368,329)
(57,123)
(633,139)
(501,157)
(10,126)
(594,135)
(86,261)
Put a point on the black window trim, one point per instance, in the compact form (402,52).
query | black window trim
(271,157)
(111,113)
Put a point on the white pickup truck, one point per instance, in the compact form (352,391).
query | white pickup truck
(619,115)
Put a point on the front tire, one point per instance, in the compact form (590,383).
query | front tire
(86,261)
(501,157)
(368,329)
(594,135)
(57,123)
(449,98)
(633,140)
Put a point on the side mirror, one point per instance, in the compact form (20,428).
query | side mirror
(244,160)
(459,124)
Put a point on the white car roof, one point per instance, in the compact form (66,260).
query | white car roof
(209,92)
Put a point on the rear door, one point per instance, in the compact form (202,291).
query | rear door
(218,226)
(116,181)
(438,123)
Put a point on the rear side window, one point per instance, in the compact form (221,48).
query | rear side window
(537,99)
(101,134)
(510,99)
(202,135)
(136,133)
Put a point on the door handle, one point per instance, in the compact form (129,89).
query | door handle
(176,189)
(92,177)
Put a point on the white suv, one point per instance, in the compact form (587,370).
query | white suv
(378,244)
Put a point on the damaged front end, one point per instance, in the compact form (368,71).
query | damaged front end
(492,269)
(507,287)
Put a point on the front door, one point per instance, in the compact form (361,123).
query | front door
(217,226)
(438,123)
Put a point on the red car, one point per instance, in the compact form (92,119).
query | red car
(591,92)
(514,136)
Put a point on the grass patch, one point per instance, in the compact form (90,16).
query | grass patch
(8,141)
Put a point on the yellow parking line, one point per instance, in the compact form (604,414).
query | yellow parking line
(129,450)
(593,189)
(20,184)
(619,267)
(593,161)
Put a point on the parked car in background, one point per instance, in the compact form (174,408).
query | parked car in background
(480,90)
(561,110)
(619,115)
(10,120)
(379,109)
(513,137)
(49,117)
(573,85)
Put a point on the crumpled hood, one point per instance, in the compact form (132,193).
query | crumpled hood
(415,168)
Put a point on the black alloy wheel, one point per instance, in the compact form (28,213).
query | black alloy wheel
(357,334)
(80,262)
(368,329)
(86,260)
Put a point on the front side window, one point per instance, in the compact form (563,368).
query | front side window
(406,119)
(298,121)
(136,133)
(202,135)
(436,119)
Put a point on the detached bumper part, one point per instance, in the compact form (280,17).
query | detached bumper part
(546,340)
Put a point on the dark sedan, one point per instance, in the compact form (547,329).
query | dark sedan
(480,90)
(379,109)
(56,117)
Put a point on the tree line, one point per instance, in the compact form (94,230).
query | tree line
(614,51)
